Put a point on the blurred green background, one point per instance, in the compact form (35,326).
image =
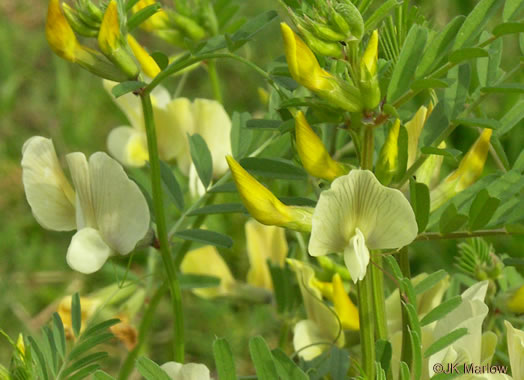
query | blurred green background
(42,95)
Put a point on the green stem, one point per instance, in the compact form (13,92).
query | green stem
(406,355)
(378,298)
(367,330)
(365,286)
(215,81)
(143,331)
(165,250)
(465,234)
(186,60)
(367,149)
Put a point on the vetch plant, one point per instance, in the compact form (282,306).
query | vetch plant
(379,136)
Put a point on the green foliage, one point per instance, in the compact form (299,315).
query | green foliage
(55,359)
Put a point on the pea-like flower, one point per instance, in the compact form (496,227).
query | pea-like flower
(313,153)
(305,69)
(324,324)
(105,206)
(358,214)
(263,243)
(174,120)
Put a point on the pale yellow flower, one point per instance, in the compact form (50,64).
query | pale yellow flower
(358,214)
(108,209)
(313,154)
(188,371)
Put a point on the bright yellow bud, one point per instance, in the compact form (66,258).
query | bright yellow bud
(305,69)
(369,86)
(347,312)
(59,33)
(148,64)
(472,165)
(20,345)
(264,206)
(388,165)
(516,301)
(109,35)
(313,154)
(414,128)
(112,43)
(468,171)
(302,63)
(159,20)
(370,57)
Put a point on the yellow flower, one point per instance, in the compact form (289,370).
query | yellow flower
(63,42)
(113,44)
(347,312)
(515,339)
(313,335)
(467,173)
(302,63)
(358,214)
(101,209)
(264,243)
(516,301)
(59,33)
(88,307)
(148,64)
(370,57)
(305,69)
(263,205)
(159,20)
(414,128)
(207,261)
(313,154)
(388,164)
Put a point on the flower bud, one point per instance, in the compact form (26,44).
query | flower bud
(388,163)
(429,172)
(188,26)
(63,42)
(313,154)
(352,17)
(112,43)
(516,301)
(347,312)
(160,20)
(148,64)
(325,32)
(369,86)
(59,33)
(304,68)
(264,206)
(467,173)
(77,24)
(319,46)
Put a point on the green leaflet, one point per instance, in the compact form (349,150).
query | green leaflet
(407,62)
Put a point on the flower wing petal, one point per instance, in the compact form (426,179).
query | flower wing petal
(87,252)
(121,211)
(307,333)
(51,197)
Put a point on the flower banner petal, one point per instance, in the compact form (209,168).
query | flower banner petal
(48,192)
